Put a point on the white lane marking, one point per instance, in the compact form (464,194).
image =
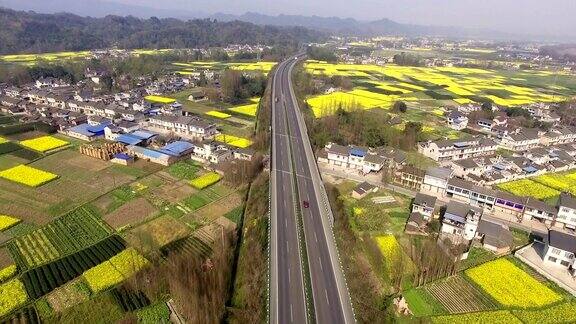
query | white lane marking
(315,237)
(326,292)
(289,276)
(320,263)
(292,313)
(285,223)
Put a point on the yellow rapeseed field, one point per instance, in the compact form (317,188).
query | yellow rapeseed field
(248,110)
(7,221)
(27,175)
(233,140)
(160,99)
(511,286)
(218,114)
(44,143)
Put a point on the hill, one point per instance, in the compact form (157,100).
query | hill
(29,32)
(350,26)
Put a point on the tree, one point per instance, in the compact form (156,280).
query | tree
(487,106)
(412,133)
(231,83)
(399,106)
(407,59)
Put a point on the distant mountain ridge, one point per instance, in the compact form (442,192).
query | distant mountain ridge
(96,8)
(351,26)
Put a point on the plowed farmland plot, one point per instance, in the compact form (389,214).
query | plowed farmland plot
(459,296)
(132,212)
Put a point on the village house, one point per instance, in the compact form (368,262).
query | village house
(560,250)
(538,210)
(363,189)
(460,221)
(457,120)
(409,177)
(521,139)
(445,151)
(365,160)
(424,204)
(494,237)
(212,152)
(436,181)
(566,211)
(193,127)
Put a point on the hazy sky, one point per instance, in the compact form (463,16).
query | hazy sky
(518,16)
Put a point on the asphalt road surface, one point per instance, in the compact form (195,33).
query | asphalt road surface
(292,158)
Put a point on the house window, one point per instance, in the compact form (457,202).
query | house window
(552,259)
(565,263)
(568,255)
(556,251)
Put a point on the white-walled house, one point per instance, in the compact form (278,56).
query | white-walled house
(445,151)
(567,210)
(436,181)
(560,249)
(457,120)
(461,220)
(425,205)
(363,159)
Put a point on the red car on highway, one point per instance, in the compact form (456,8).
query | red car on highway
(306,204)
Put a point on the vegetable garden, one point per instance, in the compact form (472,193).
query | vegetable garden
(72,232)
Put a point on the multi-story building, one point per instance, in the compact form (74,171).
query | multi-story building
(470,193)
(436,181)
(445,151)
(560,250)
(461,220)
(538,210)
(425,205)
(567,210)
(410,177)
(193,127)
(521,139)
(363,159)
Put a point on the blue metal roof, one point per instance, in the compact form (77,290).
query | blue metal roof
(98,128)
(177,148)
(149,153)
(122,156)
(530,169)
(357,152)
(129,139)
(83,129)
(141,134)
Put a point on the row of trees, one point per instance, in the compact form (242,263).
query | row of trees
(363,127)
